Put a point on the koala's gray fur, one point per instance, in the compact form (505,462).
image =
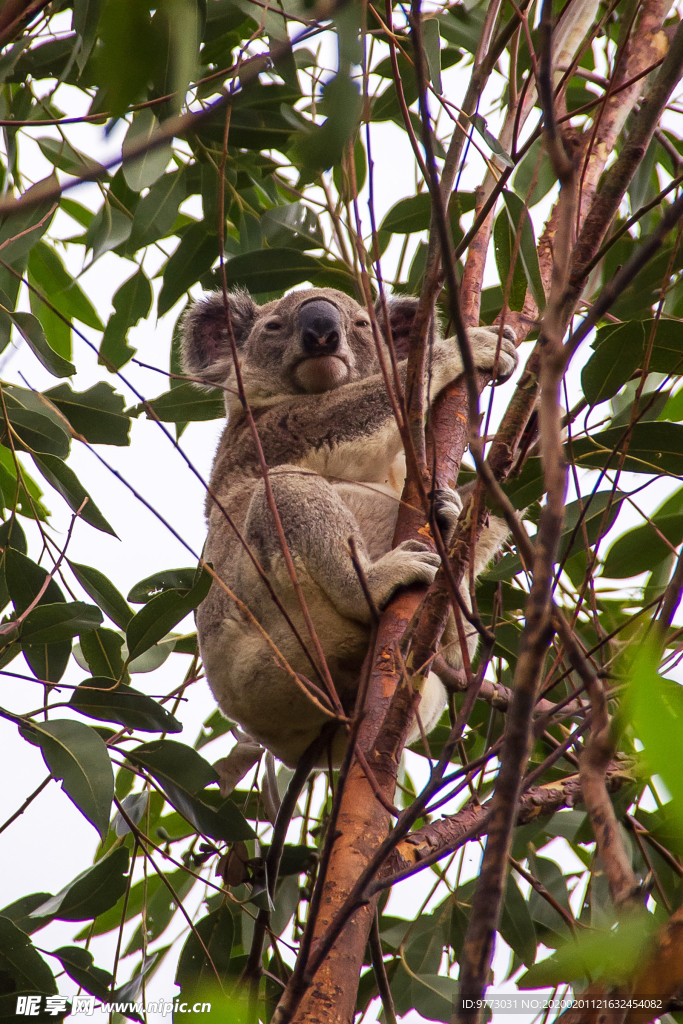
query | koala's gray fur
(337,468)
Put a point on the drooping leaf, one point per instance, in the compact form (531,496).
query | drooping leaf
(157,211)
(510,271)
(196,971)
(528,252)
(196,252)
(19,911)
(22,228)
(65,481)
(132,302)
(22,968)
(53,623)
(141,172)
(92,892)
(516,926)
(654,447)
(79,964)
(97,414)
(25,580)
(159,582)
(77,756)
(57,285)
(162,613)
(103,592)
(108,701)
(32,332)
(184,404)
(35,426)
(183,775)
(100,651)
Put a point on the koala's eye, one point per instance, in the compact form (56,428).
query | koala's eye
(273,325)
(362,323)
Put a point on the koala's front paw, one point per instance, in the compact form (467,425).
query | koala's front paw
(411,562)
(447,509)
(484,342)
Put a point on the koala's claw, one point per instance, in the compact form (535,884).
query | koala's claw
(488,355)
(410,562)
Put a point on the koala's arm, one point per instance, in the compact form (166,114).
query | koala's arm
(351,432)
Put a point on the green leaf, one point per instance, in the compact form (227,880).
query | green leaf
(52,623)
(92,892)
(107,701)
(21,496)
(655,708)
(22,968)
(96,414)
(65,481)
(32,332)
(62,155)
(157,211)
(196,971)
(611,956)
(159,582)
(125,61)
(640,549)
(431,41)
(108,228)
(21,229)
(196,252)
(294,225)
(341,173)
(184,404)
(77,755)
(270,270)
(528,252)
(182,774)
(618,353)
(132,302)
(162,613)
(620,350)
(80,966)
(19,911)
(100,651)
(409,215)
(479,125)
(655,448)
(25,579)
(103,592)
(57,285)
(141,172)
(322,146)
(516,926)
(161,907)
(37,428)
(512,277)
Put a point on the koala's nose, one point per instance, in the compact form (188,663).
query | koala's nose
(320,323)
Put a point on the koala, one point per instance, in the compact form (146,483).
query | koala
(336,464)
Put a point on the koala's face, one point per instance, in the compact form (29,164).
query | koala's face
(308,342)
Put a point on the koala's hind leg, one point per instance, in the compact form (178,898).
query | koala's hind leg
(317,525)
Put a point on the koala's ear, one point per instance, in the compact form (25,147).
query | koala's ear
(401,313)
(206,349)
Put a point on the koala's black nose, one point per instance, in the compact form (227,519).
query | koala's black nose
(320,325)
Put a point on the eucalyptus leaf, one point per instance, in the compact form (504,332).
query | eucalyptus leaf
(76,755)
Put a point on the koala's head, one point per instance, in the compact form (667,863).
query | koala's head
(308,342)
